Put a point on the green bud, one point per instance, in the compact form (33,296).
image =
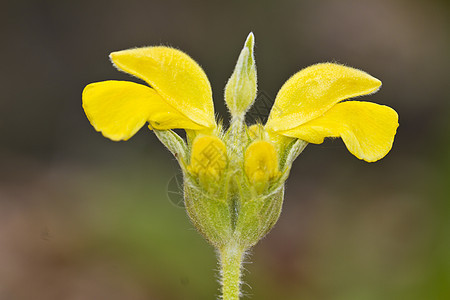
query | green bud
(240,91)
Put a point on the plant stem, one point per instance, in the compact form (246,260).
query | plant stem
(231,260)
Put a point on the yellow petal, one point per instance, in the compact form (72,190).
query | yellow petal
(175,76)
(208,158)
(367,129)
(261,162)
(120,108)
(314,90)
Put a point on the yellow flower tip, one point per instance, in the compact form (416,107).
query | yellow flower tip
(112,55)
(208,158)
(376,146)
(261,162)
(368,84)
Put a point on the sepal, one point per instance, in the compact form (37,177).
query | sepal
(174,143)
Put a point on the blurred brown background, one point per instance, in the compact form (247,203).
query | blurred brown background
(82,217)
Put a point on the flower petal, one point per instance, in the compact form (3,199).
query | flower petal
(120,108)
(175,76)
(314,90)
(367,129)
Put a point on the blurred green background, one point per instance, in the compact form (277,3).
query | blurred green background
(82,217)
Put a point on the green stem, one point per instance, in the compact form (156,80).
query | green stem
(231,260)
(236,134)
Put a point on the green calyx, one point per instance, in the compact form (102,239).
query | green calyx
(230,208)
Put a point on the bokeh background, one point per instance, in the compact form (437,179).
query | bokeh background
(82,217)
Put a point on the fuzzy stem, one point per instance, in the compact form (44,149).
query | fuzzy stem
(231,260)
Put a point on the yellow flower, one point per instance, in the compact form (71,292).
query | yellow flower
(179,95)
(261,162)
(309,107)
(233,179)
(208,157)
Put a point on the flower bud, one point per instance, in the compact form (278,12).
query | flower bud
(240,91)
(208,158)
(261,163)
